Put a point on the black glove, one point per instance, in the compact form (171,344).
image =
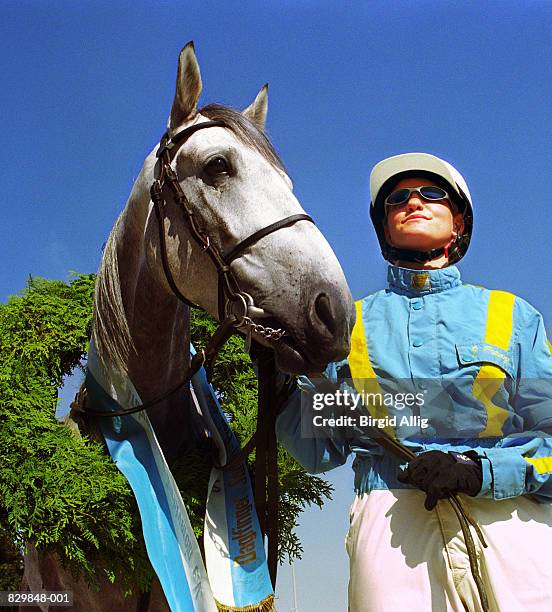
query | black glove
(441,474)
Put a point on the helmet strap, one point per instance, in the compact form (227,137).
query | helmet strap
(447,247)
(396,254)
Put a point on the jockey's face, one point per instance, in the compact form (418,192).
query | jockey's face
(418,224)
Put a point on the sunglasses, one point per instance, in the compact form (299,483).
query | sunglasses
(428,192)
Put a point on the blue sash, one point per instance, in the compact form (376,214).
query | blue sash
(234,548)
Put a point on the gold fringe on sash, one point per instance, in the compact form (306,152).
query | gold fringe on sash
(266,605)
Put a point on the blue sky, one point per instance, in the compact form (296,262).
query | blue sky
(87,88)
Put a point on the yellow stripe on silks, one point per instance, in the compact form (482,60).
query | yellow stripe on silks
(359,361)
(485,387)
(364,377)
(549,346)
(543,465)
(500,319)
(500,316)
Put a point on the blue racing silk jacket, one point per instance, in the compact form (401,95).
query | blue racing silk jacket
(479,365)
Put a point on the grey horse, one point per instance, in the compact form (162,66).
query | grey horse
(236,184)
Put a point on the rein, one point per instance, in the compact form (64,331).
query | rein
(465,519)
(204,357)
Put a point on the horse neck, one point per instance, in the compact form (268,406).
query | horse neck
(158,330)
(158,327)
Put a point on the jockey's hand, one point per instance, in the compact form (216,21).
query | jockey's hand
(442,474)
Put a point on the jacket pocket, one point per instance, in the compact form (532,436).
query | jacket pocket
(492,371)
(488,355)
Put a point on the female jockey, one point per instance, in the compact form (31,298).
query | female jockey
(477,369)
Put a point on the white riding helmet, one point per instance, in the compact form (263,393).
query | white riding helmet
(387,173)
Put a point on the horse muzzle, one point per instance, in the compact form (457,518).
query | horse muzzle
(324,335)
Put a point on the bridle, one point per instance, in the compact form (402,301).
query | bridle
(232,301)
(237,311)
(236,308)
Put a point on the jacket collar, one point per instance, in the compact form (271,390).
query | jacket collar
(421,282)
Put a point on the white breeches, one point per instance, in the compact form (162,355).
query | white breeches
(403,557)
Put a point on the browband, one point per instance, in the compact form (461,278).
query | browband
(169,143)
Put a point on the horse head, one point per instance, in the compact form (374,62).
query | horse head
(234,184)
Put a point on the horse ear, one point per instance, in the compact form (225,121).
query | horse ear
(188,87)
(258,110)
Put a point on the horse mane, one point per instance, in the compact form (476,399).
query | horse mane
(110,330)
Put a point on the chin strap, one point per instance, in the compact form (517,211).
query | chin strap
(392,253)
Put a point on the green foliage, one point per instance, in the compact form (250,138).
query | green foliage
(57,489)
(62,491)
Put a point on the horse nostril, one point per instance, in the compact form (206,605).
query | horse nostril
(323,310)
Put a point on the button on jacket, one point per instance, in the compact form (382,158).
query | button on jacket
(475,366)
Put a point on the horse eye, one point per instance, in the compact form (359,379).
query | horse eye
(217,166)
